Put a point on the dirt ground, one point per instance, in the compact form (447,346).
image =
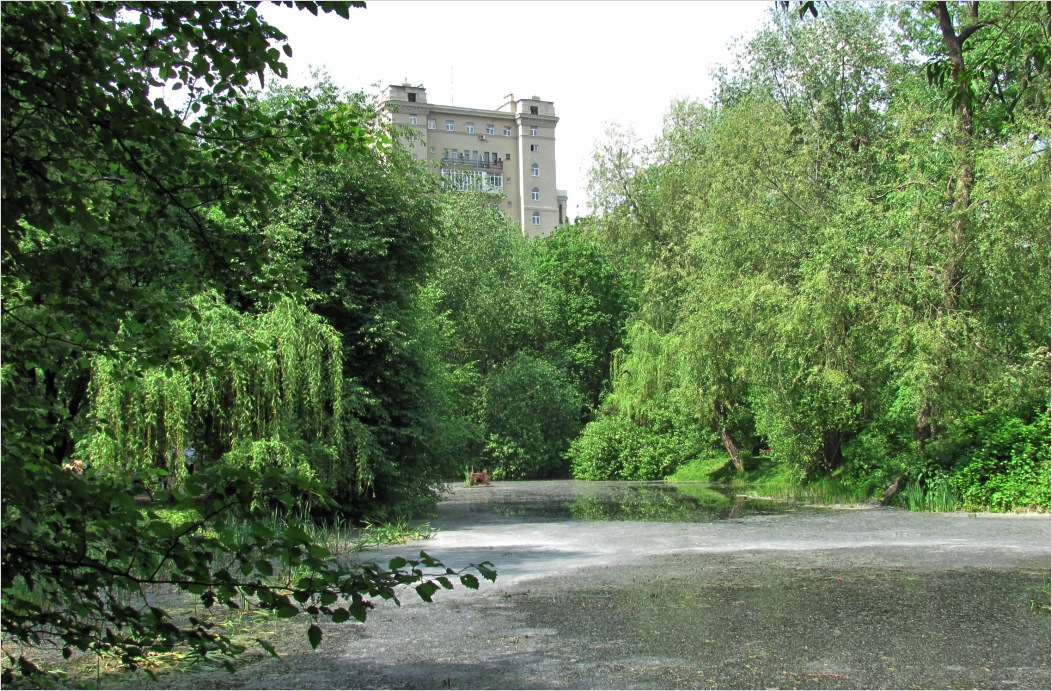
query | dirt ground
(877,598)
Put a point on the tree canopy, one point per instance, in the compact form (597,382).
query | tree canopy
(833,270)
(163,333)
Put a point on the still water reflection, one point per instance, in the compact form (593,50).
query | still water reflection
(622,501)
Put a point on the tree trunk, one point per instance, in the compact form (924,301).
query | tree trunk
(964,177)
(729,442)
(831,454)
(733,449)
(962,184)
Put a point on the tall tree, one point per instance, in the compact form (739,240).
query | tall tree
(113,218)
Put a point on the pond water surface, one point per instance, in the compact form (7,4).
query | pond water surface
(643,585)
(620,501)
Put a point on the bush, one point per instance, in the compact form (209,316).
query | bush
(530,413)
(1003,462)
(615,448)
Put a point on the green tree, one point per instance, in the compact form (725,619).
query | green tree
(115,215)
(484,281)
(530,413)
(793,241)
(585,303)
(363,228)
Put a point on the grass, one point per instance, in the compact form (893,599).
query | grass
(700,469)
(934,495)
(768,479)
(397,532)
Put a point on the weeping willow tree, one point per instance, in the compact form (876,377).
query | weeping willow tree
(647,425)
(643,372)
(253,390)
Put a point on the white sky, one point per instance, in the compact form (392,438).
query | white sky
(599,62)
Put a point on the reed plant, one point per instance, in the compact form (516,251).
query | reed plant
(931,494)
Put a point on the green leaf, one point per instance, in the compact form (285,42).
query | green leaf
(359,611)
(426,590)
(469,581)
(314,635)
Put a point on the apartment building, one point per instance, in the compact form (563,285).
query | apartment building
(509,151)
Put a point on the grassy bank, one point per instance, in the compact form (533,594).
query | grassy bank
(764,477)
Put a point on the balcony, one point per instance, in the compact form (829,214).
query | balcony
(474,165)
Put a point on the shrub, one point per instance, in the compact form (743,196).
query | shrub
(1004,463)
(615,448)
(530,413)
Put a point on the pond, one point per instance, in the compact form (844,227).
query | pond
(642,585)
(615,501)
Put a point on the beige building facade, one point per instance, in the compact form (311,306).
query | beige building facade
(509,151)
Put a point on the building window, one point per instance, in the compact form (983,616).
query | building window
(449,125)
(469,127)
(536,194)
(507,157)
(535,147)
(533,131)
(490,129)
(533,110)
(535,170)
(413,120)
(536,218)
(412,97)
(431,124)
(507,131)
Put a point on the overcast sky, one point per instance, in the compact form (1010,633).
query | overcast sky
(599,62)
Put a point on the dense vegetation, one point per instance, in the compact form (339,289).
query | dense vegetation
(844,259)
(255,302)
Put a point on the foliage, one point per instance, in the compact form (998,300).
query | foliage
(702,468)
(835,268)
(586,302)
(531,412)
(154,268)
(83,583)
(361,229)
(260,391)
(534,321)
(612,448)
(483,284)
(1001,462)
